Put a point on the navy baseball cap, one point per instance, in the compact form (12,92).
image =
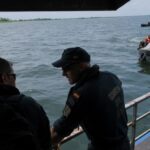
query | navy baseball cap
(72,56)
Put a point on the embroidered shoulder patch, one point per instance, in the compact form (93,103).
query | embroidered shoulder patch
(114,92)
(66,111)
(76,95)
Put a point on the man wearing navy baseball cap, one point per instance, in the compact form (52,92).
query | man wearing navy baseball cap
(95,102)
(71,56)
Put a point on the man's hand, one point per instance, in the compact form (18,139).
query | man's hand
(56,147)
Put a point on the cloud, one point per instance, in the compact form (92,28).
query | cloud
(132,8)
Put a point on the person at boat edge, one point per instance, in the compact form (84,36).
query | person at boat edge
(95,102)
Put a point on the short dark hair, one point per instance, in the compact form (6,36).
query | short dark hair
(5,66)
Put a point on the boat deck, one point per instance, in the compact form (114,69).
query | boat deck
(143,143)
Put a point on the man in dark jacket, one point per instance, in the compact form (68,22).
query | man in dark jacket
(95,102)
(26,106)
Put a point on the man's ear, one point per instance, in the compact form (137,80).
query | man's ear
(84,65)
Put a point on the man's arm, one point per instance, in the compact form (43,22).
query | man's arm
(56,138)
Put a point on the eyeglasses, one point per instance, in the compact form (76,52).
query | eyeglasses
(13,75)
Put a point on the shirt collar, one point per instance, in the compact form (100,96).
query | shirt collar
(8,90)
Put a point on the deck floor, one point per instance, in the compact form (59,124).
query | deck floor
(143,143)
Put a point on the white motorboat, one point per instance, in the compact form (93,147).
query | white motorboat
(144,53)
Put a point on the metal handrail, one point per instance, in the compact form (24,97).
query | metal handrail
(144,133)
(134,103)
(139,118)
(131,104)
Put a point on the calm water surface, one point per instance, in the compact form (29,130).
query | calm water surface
(112,42)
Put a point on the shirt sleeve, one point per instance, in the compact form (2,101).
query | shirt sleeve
(73,113)
(38,118)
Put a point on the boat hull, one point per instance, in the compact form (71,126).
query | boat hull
(145,25)
(144,54)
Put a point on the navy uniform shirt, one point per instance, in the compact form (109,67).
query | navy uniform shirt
(96,103)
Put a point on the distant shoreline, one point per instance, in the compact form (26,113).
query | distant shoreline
(3,20)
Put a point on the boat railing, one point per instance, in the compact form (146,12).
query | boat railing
(131,104)
(134,104)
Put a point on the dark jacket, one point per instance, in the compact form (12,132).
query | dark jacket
(96,103)
(32,111)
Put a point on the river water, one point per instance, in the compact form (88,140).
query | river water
(112,42)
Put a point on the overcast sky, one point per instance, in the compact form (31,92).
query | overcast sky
(132,8)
